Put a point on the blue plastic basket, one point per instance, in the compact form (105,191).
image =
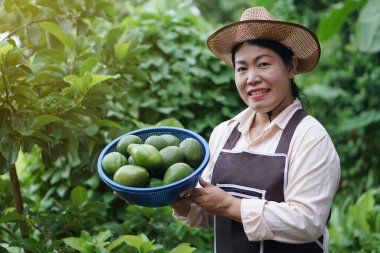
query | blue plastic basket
(162,195)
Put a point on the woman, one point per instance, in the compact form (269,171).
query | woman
(273,170)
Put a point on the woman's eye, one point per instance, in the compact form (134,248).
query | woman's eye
(240,69)
(263,64)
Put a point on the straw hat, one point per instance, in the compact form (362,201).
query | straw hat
(258,23)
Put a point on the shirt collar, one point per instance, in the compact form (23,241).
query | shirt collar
(245,117)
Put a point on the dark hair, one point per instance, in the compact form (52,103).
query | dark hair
(286,55)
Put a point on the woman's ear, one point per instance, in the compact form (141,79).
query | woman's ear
(292,67)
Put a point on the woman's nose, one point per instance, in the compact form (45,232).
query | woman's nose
(253,77)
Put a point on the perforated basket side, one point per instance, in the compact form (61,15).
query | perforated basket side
(158,196)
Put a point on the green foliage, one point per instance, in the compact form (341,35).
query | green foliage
(344,99)
(181,81)
(124,244)
(76,74)
(368,32)
(356,227)
(159,223)
(66,90)
(335,17)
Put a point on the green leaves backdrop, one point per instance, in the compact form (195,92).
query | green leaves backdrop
(77,74)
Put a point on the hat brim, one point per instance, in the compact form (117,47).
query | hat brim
(300,39)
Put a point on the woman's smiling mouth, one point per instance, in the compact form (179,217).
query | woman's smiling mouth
(257,92)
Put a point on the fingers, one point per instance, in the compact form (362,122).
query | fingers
(186,193)
(204,184)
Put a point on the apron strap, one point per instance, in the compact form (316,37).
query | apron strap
(234,137)
(286,137)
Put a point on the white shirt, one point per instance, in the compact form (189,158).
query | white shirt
(313,179)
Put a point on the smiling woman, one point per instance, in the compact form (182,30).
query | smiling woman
(273,170)
(262,75)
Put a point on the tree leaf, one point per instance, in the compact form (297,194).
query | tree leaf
(109,123)
(140,124)
(121,50)
(11,217)
(128,249)
(57,32)
(91,130)
(75,82)
(103,236)
(140,74)
(9,148)
(100,78)
(78,194)
(25,68)
(29,244)
(368,27)
(359,212)
(115,243)
(166,110)
(363,120)
(86,80)
(3,250)
(15,57)
(48,3)
(377,222)
(133,240)
(324,91)
(8,5)
(146,247)
(5,166)
(5,47)
(49,55)
(183,248)
(170,122)
(61,190)
(85,235)
(79,244)
(45,119)
(335,17)
(32,9)
(5,120)
(88,65)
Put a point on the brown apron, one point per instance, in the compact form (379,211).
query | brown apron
(251,175)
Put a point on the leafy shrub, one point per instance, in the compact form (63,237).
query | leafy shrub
(76,74)
(356,227)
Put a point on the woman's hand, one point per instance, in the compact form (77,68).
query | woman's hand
(212,199)
(215,201)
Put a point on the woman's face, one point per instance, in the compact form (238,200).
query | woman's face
(262,78)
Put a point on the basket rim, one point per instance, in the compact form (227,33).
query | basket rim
(128,189)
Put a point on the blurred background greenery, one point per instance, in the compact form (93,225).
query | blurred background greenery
(77,73)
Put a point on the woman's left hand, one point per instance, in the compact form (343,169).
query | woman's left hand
(215,201)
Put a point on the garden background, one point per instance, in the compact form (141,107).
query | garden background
(75,74)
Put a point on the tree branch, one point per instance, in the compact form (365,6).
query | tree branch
(16,189)
(23,26)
